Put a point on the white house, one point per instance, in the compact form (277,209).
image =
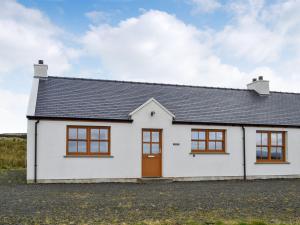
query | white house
(88,130)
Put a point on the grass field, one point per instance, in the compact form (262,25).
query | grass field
(12,152)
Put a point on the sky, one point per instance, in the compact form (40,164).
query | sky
(199,42)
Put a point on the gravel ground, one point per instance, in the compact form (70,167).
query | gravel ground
(271,201)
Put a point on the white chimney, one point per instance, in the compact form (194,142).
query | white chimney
(259,85)
(40,70)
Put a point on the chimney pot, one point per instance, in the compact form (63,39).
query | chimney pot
(260,78)
(41,61)
(254,79)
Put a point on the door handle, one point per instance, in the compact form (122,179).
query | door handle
(151,156)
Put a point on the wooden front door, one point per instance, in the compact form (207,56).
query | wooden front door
(151,153)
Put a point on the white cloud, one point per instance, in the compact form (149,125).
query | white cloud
(98,17)
(158,47)
(250,40)
(27,35)
(204,6)
(12,112)
(267,38)
(261,33)
(249,7)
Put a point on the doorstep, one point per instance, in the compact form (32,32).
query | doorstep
(145,180)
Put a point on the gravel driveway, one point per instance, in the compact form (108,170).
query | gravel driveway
(272,201)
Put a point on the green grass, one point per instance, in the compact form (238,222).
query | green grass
(222,222)
(12,153)
(50,220)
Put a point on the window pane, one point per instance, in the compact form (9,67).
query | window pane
(104,134)
(202,145)
(95,134)
(273,153)
(146,148)
(264,152)
(81,146)
(279,153)
(94,146)
(273,138)
(211,145)
(103,146)
(81,133)
(219,145)
(219,135)
(258,153)
(279,139)
(264,138)
(194,145)
(155,148)
(194,135)
(72,146)
(212,135)
(146,136)
(155,136)
(258,138)
(201,135)
(72,133)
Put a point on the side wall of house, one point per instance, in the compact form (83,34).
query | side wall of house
(177,162)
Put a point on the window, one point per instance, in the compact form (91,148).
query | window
(270,146)
(88,140)
(151,141)
(208,141)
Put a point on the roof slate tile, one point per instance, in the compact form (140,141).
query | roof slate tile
(105,99)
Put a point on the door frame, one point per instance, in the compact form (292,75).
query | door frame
(160,130)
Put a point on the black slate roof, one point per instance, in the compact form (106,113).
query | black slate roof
(63,97)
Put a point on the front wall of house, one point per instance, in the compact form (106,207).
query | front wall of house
(53,163)
(180,163)
(126,142)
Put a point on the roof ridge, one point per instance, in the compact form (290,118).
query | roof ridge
(166,84)
(149,83)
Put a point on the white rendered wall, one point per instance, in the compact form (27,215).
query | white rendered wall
(52,163)
(126,151)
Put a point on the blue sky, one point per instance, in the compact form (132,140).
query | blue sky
(200,42)
(66,13)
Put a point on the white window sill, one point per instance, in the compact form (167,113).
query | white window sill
(209,153)
(88,156)
(272,163)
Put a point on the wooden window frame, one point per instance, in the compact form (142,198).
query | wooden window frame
(151,142)
(88,141)
(207,140)
(269,146)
